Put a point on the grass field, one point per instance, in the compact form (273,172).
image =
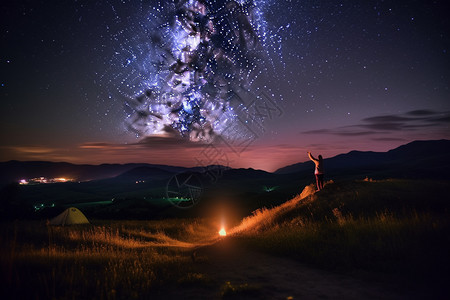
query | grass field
(397,228)
(105,260)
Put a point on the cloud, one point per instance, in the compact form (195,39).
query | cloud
(102,146)
(33,152)
(319,131)
(152,142)
(341,131)
(382,126)
(356,133)
(152,149)
(415,120)
(386,119)
(442,119)
(164,142)
(32,149)
(389,139)
(421,112)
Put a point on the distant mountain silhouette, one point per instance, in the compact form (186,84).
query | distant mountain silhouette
(145,173)
(236,174)
(418,159)
(13,171)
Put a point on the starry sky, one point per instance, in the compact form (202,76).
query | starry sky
(86,81)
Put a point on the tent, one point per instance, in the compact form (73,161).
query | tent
(70,216)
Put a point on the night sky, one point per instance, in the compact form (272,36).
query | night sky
(89,81)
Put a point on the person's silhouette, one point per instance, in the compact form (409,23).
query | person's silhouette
(318,170)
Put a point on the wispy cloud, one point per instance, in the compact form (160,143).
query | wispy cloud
(389,139)
(387,124)
(421,112)
(153,149)
(102,146)
(32,152)
(163,142)
(149,142)
(31,149)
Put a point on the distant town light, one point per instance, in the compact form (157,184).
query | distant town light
(60,179)
(40,180)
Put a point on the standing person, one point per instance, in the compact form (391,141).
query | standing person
(318,171)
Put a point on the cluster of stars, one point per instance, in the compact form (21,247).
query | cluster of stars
(180,65)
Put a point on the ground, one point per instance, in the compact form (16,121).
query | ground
(247,274)
(356,240)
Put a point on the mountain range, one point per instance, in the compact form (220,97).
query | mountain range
(418,159)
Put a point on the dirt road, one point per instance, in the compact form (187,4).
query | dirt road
(239,273)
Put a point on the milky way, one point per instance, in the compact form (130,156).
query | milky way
(91,81)
(182,67)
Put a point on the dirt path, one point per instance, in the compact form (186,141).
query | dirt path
(259,276)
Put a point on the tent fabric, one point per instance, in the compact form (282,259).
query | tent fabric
(70,216)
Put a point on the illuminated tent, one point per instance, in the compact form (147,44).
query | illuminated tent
(70,216)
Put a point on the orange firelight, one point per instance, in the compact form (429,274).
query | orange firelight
(222,232)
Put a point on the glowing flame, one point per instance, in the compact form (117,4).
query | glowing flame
(222,232)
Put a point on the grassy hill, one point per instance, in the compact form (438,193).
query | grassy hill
(400,228)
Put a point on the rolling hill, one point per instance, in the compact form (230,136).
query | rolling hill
(418,159)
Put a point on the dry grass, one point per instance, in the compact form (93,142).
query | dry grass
(390,226)
(264,217)
(122,260)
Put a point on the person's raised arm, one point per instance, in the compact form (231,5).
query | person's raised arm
(312,157)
